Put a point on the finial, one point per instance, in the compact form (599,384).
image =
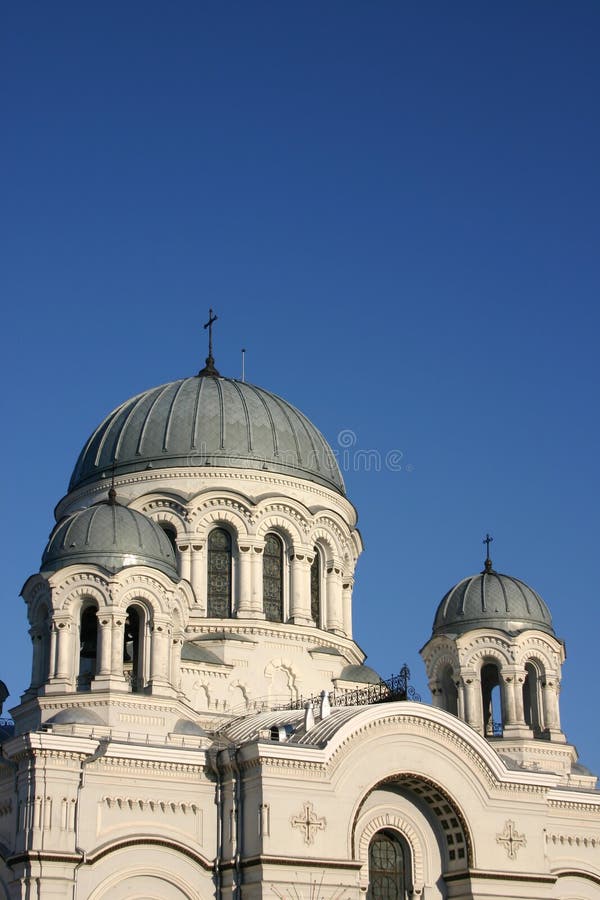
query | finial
(488,562)
(243,363)
(209,368)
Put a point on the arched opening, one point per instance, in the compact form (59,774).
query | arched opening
(171,533)
(133,649)
(532,699)
(218,597)
(493,718)
(315,589)
(88,647)
(273,578)
(40,637)
(389,867)
(450,691)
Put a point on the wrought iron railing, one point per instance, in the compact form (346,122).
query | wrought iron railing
(396,687)
(7,727)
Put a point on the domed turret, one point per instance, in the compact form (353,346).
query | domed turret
(492,600)
(112,536)
(208,420)
(495,661)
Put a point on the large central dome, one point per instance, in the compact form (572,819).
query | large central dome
(208,420)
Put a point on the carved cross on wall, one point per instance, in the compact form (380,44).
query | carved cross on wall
(512,840)
(308,821)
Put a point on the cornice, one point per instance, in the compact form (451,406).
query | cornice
(207,475)
(292,633)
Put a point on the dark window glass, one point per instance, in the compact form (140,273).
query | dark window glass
(273,578)
(387,867)
(315,589)
(219,574)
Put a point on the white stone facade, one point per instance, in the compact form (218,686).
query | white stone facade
(170,770)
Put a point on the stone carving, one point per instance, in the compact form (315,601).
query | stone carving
(512,840)
(309,822)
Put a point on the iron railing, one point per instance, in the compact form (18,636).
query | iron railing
(396,687)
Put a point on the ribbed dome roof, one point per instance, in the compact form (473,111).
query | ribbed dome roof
(492,600)
(208,420)
(111,536)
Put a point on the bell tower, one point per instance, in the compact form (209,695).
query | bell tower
(495,661)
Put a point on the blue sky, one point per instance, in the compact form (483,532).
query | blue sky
(393,206)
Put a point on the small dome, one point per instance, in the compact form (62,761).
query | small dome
(363,674)
(212,421)
(75,715)
(492,600)
(112,536)
(186,726)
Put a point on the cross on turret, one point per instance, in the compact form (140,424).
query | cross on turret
(209,369)
(488,539)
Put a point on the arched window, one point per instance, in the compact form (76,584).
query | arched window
(218,598)
(88,648)
(171,533)
(133,649)
(40,636)
(389,874)
(273,578)
(315,589)
(532,699)
(493,718)
(450,692)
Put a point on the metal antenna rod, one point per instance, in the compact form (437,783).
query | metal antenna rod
(243,363)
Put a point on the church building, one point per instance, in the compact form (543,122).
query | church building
(200,722)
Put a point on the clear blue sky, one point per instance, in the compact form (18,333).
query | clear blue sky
(394,206)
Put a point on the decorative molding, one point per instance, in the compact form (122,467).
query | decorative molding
(308,820)
(154,805)
(388,820)
(512,840)
(573,840)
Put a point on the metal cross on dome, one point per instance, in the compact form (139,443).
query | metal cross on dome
(209,369)
(211,318)
(488,539)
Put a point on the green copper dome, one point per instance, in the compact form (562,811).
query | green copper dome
(112,536)
(208,420)
(492,600)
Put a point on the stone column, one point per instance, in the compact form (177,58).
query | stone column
(176,645)
(104,645)
(508,700)
(52,660)
(347,585)
(63,649)
(334,598)
(258,611)
(300,606)
(473,707)
(37,677)
(198,576)
(550,691)
(61,672)
(513,711)
(109,672)
(160,637)
(185,561)
(244,607)
(460,700)
(437,694)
